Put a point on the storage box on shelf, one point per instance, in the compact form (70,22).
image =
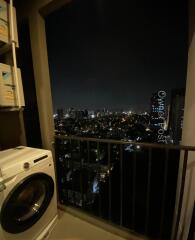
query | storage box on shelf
(7,87)
(11,89)
(4,27)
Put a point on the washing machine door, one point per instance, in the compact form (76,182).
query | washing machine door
(26,203)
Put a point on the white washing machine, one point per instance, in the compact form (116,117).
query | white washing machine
(28,205)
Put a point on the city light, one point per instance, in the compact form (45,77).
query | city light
(153,126)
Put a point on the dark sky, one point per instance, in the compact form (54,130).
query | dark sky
(115,54)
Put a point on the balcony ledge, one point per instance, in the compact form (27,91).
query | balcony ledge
(72,227)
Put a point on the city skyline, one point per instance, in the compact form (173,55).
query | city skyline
(167,102)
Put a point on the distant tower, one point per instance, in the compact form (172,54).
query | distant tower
(60,112)
(176,115)
(158,110)
(72,113)
(86,113)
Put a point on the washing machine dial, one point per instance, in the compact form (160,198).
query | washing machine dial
(26,165)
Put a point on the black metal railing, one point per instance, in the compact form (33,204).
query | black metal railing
(132,185)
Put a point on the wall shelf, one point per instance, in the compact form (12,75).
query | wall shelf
(11,109)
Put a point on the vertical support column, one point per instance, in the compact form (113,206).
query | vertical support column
(188,136)
(109,184)
(42,78)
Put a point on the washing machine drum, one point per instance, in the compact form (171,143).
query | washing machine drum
(26,203)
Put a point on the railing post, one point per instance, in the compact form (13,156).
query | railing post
(148,189)
(99,198)
(164,191)
(178,218)
(88,162)
(121,184)
(134,188)
(81,177)
(109,187)
(72,169)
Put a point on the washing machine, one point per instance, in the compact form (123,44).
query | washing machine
(28,205)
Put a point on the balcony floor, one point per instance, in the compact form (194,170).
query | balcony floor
(70,227)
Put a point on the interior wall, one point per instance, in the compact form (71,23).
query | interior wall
(188,137)
(30,113)
(12,131)
(191,20)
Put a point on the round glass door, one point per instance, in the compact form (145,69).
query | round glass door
(26,203)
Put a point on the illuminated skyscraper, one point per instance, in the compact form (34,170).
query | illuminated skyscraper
(158,110)
(60,113)
(176,115)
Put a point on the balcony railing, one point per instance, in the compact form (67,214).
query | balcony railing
(132,185)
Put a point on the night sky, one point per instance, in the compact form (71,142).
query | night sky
(115,54)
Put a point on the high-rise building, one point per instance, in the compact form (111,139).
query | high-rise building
(176,115)
(71,113)
(60,113)
(86,113)
(158,110)
(79,114)
(158,116)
